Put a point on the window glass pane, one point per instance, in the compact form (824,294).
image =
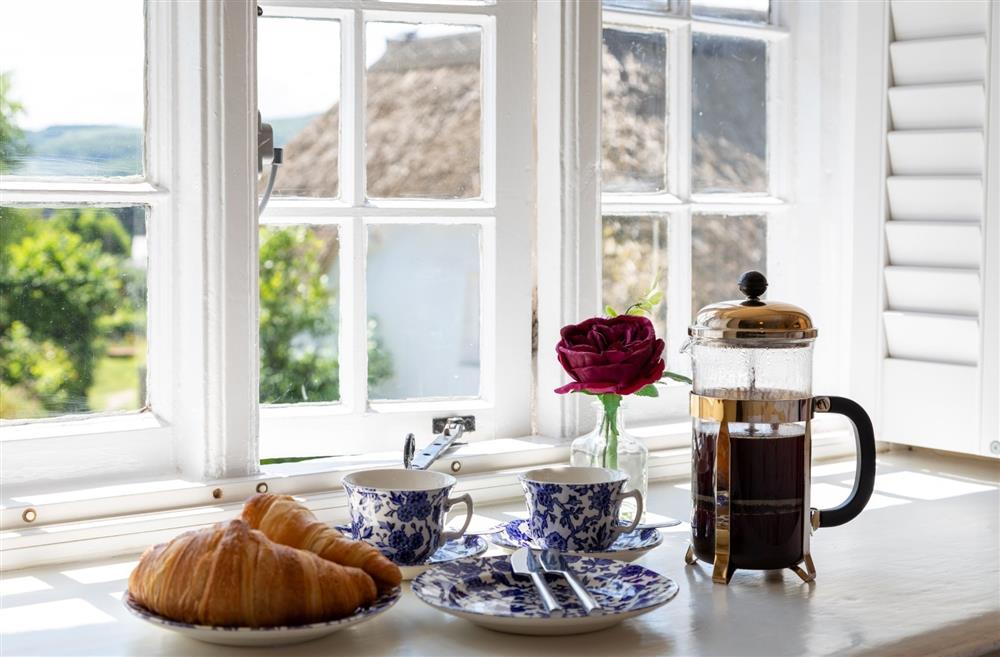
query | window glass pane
(743,11)
(422,123)
(299,321)
(71,88)
(72,310)
(729,120)
(722,248)
(423,311)
(634,111)
(298,87)
(635,257)
(640,5)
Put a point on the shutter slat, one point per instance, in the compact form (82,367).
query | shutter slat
(934,61)
(916,198)
(932,338)
(933,290)
(933,243)
(928,152)
(937,106)
(921,19)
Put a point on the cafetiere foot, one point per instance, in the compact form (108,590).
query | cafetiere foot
(689,557)
(807,575)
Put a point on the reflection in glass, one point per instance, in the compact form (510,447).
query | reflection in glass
(298,87)
(635,256)
(729,114)
(423,310)
(640,5)
(737,11)
(72,310)
(633,111)
(72,88)
(422,110)
(299,322)
(722,248)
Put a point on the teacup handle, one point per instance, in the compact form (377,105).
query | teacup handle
(452,501)
(625,529)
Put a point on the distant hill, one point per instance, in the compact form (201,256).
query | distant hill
(102,150)
(83,150)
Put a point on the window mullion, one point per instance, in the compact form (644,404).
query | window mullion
(355,342)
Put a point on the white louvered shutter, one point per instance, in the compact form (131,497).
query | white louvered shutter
(933,380)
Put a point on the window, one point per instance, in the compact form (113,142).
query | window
(380,303)
(72,274)
(690,148)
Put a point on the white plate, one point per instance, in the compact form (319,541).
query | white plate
(262,636)
(486,592)
(627,547)
(460,548)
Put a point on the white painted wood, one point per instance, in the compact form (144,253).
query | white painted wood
(990,314)
(932,338)
(917,198)
(934,243)
(936,152)
(862,603)
(933,290)
(937,106)
(920,19)
(933,61)
(931,405)
(568,113)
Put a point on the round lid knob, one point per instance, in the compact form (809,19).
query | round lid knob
(751,318)
(753,284)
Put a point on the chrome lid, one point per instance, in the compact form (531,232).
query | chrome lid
(751,318)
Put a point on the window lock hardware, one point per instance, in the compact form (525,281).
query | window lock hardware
(468,422)
(446,438)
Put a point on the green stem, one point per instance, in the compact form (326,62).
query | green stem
(609,428)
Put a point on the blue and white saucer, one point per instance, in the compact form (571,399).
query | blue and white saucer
(262,636)
(627,547)
(467,546)
(486,592)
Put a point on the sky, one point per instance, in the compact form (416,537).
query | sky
(81,61)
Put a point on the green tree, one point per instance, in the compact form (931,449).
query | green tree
(58,287)
(13,145)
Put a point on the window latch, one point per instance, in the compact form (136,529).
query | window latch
(451,430)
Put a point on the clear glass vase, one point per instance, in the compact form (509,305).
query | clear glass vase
(609,445)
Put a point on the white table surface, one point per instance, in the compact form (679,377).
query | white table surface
(917,573)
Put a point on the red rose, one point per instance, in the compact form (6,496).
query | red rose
(610,355)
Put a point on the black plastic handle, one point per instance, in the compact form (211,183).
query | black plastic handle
(864,475)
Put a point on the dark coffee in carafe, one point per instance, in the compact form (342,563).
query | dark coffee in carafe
(767,484)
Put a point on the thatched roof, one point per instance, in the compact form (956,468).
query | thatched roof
(423,116)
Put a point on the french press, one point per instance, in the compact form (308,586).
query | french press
(752,408)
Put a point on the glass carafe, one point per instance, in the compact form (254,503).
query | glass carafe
(752,404)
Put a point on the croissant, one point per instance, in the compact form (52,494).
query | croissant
(286,521)
(230,575)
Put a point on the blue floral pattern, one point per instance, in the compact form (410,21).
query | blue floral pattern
(488,587)
(405,525)
(516,534)
(573,517)
(460,548)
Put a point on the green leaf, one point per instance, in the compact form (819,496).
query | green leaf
(647,391)
(609,311)
(676,377)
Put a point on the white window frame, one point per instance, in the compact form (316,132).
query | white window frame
(502,407)
(201,423)
(568,415)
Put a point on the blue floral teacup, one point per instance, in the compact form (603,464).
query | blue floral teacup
(576,509)
(402,512)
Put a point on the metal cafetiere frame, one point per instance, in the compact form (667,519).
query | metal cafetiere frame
(781,411)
